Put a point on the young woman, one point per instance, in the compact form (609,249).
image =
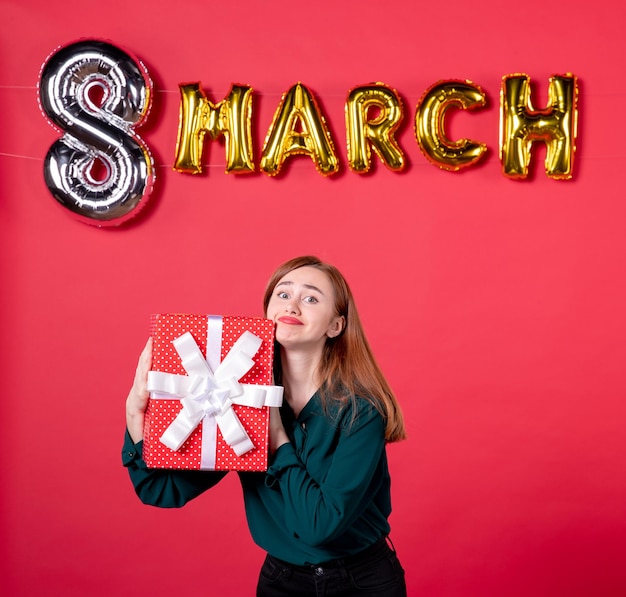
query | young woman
(321,510)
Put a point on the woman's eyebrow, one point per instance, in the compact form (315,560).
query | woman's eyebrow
(309,286)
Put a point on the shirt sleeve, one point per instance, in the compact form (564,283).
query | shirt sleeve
(161,487)
(319,512)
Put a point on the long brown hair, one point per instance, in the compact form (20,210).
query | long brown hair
(348,367)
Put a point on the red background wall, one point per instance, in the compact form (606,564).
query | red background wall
(496,307)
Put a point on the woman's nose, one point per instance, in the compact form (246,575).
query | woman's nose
(291,306)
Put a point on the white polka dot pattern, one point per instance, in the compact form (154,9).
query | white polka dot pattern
(161,413)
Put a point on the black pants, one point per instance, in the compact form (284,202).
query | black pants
(375,572)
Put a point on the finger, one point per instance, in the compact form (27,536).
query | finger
(146,353)
(143,364)
(145,358)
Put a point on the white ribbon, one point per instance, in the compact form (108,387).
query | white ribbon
(207,397)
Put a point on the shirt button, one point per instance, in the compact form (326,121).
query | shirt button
(319,571)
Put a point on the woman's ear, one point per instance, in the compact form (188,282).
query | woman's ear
(336,326)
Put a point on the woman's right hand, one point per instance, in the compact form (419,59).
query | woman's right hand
(137,400)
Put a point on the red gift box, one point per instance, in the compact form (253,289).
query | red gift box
(206,448)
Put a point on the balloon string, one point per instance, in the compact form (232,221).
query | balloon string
(612,157)
(40,159)
(21,157)
(210,91)
(315,90)
(162,166)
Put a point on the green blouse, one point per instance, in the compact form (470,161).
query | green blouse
(326,494)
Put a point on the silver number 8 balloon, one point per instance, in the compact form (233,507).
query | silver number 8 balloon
(96,94)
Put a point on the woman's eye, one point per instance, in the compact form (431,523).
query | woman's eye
(283,295)
(310,299)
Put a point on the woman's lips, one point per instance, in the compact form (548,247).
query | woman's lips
(289,320)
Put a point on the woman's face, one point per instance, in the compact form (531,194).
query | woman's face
(303,307)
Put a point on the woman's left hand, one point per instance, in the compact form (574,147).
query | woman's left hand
(278,435)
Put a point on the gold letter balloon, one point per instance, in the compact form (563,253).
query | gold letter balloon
(231,117)
(430,124)
(97,94)
(298,128)
(521,125)
(373,115)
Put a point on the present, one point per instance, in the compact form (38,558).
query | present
(210,391)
